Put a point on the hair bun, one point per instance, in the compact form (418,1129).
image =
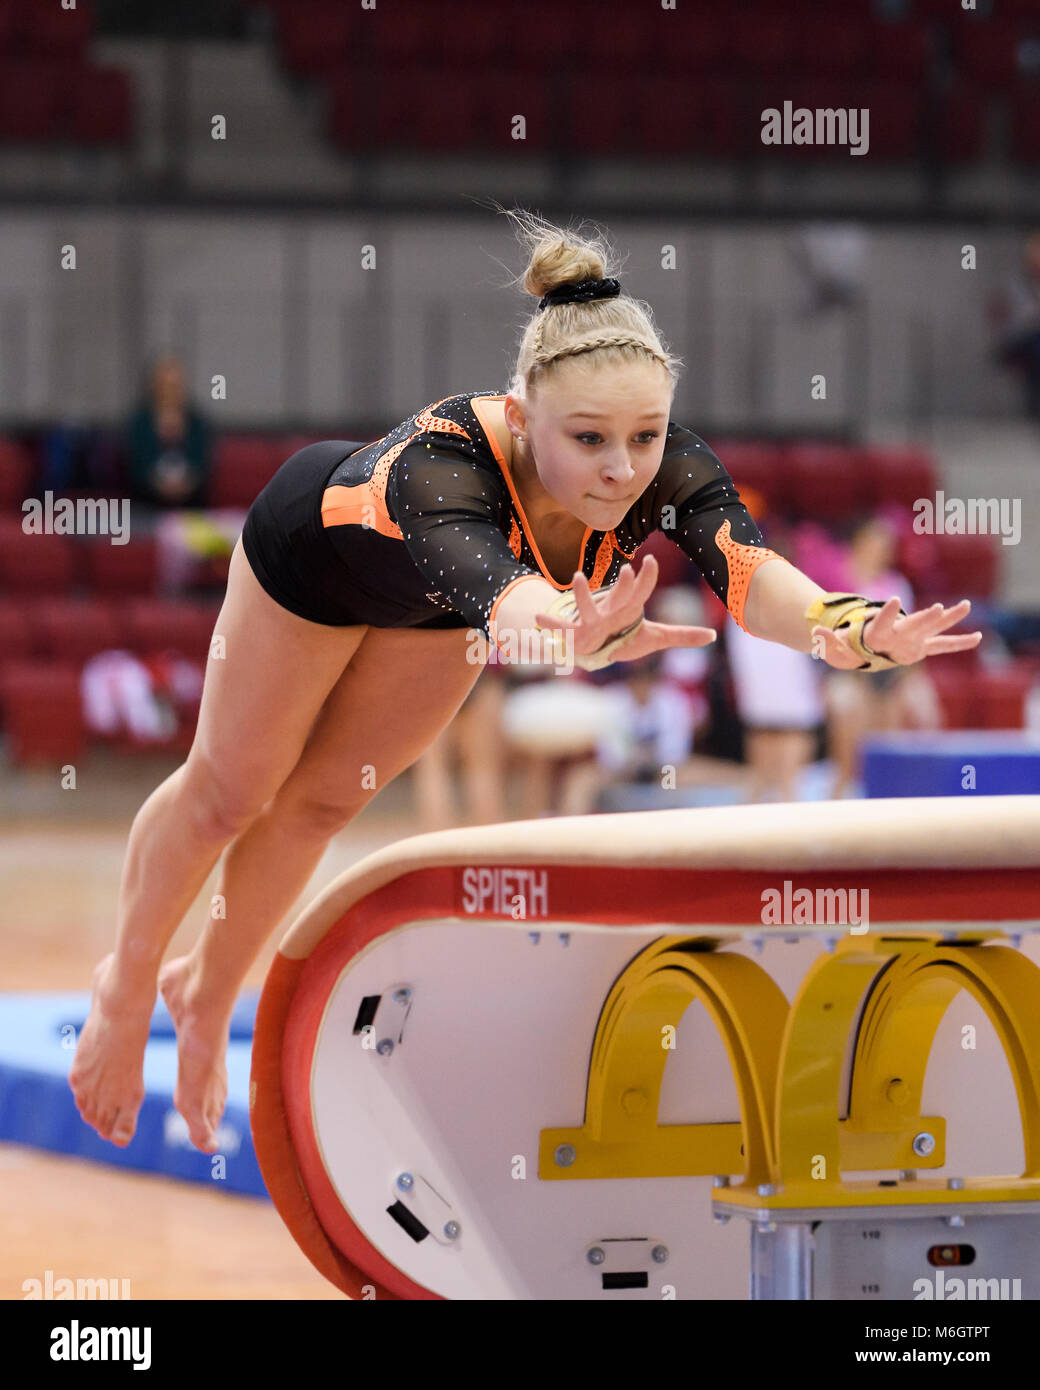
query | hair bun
(581,291)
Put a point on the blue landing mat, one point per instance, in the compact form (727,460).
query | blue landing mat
(1001,763)
(38,1034)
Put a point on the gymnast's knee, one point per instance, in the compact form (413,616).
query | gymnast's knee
(218,805)
(314,815)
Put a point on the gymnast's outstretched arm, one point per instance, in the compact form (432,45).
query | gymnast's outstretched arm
(779,596)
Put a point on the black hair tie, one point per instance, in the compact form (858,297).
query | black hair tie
(580,291)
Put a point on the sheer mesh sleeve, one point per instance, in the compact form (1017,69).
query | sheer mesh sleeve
(451,510)
(695,502)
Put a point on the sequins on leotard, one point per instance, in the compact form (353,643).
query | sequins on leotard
(438,483)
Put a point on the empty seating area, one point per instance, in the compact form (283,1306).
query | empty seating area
(640,79)
(941,84)
(50,91)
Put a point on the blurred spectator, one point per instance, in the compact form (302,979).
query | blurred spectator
(79,457)
(651,729)
(474,743)
(779,698)
(1019,345)
(858,703)
(832,258)
(780,702)
(168,442)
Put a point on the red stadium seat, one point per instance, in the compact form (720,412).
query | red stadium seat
(318,37)
(960,129)
(405,117)
(1025,126)
(754,465)
(900,475)
(504,95)
(99,107)
(405,36)
(622,45)
(968,565)
(478,35)
(9,18)
(899,51)
(121,569)
(16,474)
(348,115)
(1001,697)
(290,444)
(50,29)
(985,51)
(835,43)
(918,558)
(957,698)
(552,45)
(72,630)
(31,91)
(594,121)
(895,119)
(35,564)
(42,712)
(692,42)
(826,481)
(763,40)
(242,466)
(674,116)
(156,625)
(974,697)
(18,634)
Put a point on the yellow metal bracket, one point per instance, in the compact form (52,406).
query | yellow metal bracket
(792,1142)
(621,1136)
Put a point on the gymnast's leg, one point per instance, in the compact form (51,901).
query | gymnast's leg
(368,721)
(260,698)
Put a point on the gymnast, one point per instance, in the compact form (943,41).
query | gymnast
(345,641)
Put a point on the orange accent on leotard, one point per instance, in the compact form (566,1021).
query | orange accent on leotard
(477,406)
(742,561)
(426,420)
(364,504)
(516,540)
(604,555)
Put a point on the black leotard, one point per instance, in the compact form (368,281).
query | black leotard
(423,528)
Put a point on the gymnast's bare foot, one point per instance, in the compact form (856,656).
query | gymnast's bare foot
(202,1041)
(106,1075)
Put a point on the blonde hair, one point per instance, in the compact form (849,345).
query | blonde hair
(617,330)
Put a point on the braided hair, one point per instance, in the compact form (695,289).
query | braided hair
(614,328)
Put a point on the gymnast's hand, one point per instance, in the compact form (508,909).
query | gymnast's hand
(903,640)
(618,607)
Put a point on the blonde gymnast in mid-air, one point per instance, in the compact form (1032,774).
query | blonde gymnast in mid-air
(348,642)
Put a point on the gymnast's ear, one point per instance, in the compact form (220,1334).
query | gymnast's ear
(515,409)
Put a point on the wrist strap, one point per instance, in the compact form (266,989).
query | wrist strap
(565,606)
(847,614)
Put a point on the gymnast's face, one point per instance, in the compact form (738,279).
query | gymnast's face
(596,436)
